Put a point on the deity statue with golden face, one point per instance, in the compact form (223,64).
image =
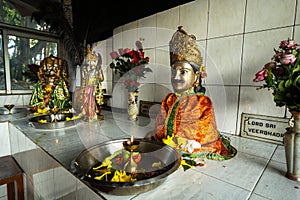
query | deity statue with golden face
(186,120)
(52,88)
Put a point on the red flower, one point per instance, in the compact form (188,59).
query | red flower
(127,50)
(131,62)
(141,54)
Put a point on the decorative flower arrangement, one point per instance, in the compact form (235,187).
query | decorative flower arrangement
(282,75)
(132,63)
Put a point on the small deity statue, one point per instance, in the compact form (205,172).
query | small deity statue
(52,88)
(92,92)
(186,120)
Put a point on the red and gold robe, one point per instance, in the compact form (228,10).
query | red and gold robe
(192,117)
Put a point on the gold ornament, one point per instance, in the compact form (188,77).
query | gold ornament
(91,55)
(183,47)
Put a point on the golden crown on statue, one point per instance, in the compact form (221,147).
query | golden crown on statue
(91,55)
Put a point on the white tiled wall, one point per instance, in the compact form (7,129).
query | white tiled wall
(17,100)
(236,37)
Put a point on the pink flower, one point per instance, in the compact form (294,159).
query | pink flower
(287,59)
(114,55)
(139,45)
(121,51)
(278,55)
(288,44)
(260,76)
(130,59)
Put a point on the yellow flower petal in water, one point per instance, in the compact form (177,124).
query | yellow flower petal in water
(121,176)
(100,177)
(106,163)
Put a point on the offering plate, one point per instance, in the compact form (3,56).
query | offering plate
(51,121)
(88,158)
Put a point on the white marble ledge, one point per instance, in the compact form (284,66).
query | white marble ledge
(241,177)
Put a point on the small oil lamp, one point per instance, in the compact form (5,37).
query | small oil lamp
(131,145)
(9,107)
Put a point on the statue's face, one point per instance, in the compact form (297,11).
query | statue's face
(92,63)
(183,77)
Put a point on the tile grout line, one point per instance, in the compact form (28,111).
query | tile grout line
(252,191)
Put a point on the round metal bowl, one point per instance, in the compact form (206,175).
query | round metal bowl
(14,113)
(52,122)
(88,158)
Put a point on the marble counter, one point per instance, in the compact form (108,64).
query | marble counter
(63,145)
(45,156)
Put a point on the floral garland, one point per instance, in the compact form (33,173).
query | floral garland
(46,87)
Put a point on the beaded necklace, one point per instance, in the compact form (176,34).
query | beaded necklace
(190,91)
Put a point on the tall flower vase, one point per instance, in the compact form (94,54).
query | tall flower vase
(133,109)
(292,147)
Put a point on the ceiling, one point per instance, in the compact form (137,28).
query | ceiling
(98,21)
(94,20)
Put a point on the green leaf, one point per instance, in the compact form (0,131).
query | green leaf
(281,86)
(297,69)
(296,82)
(288,83)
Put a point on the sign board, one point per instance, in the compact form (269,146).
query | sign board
(265,128)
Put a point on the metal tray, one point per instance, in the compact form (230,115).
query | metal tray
(89,157)
(51,123)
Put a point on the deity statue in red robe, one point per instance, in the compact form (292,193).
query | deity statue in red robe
(92,92)
(186,120)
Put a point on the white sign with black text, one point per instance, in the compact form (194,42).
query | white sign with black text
(265,128)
